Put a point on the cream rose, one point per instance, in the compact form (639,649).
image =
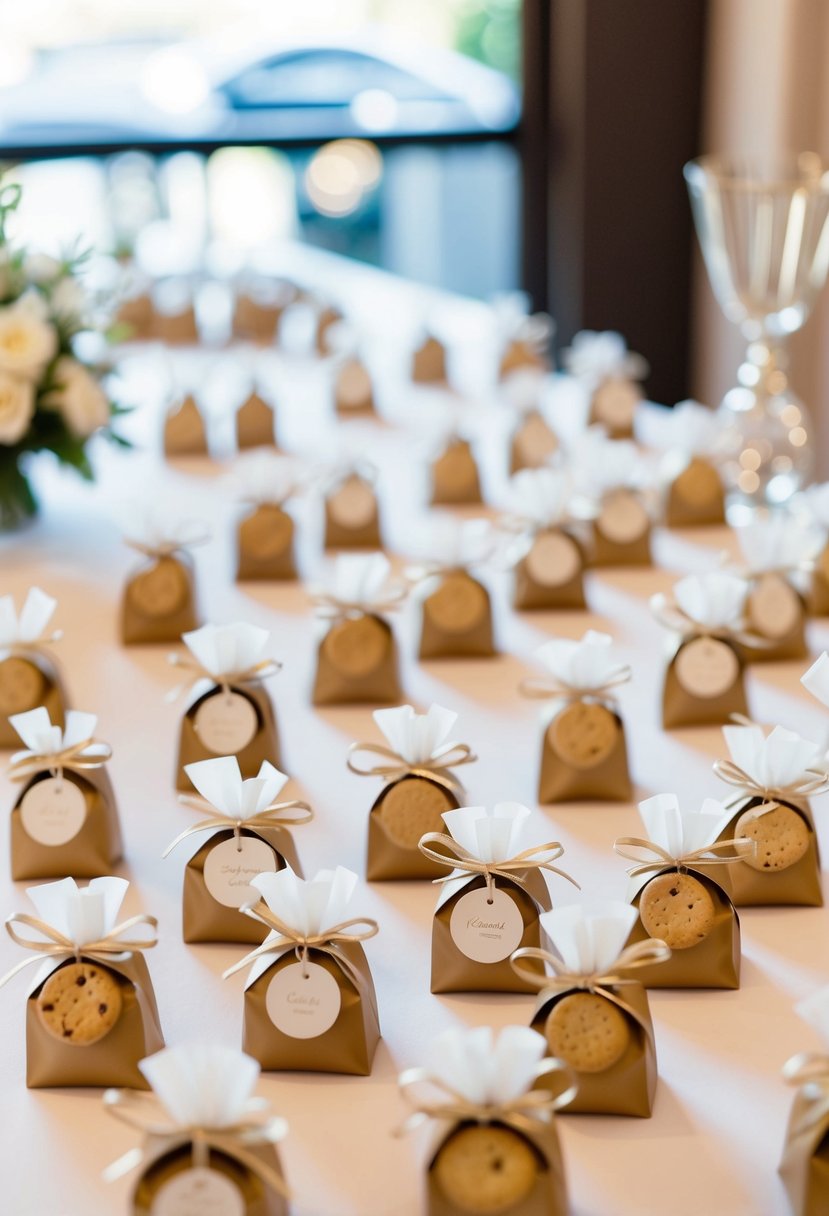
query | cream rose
(27,340)
(78,397)
(17,405)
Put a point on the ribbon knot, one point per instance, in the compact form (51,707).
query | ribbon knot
(668,613)
(809,1070)
(276,815)
(168,547)
(812,781)
(79,757)
(451,755)
(257,674)
(651,858)
(57,945)
(332,607)
(461,861)
(544,688)
(639,954)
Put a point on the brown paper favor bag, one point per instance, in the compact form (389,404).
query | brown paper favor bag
(551,573)
(357,663)
(352,515)
(613,406)
(454,474)
(804,1166)
(256,320)
(65,820)
(628,1086)
(263,742)
(423,789)
(353,393)
(532,442)
(265,545)
(227,1156)
(255,423)
(53,1062)
(29,676)
(159,600)
(456,616)
(520,355)
(248,835)
(185,432)
(695,498)
(621,531)
(136,315)
(429,362)
(176,328)
(776,612)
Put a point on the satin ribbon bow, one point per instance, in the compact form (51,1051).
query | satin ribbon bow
(813,781)
(537,857)
(669,614)
(257,674)
(332,479)
(544,688)
(271,816)
(145,1113)
(640,954)
(82,756)
(632,848)
(451,755)
(327,942)
(330,607)
(58,946)
(809,1070)
(524,1113)
(36,645)
(434,568)
(168,547)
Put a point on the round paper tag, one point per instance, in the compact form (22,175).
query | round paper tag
(553,560)
(198,1192)
(21,685)
(353,386)
(706,667)
(483,931)
(354,504)
(535,441)
(228,869)
(53,811)
(774,606)
(303,1006)
(623,518)
(614,404)
(225,723)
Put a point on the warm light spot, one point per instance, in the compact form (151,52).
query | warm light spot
(750,459)
(748,482)
(790,415)
(797,437)
(374,109)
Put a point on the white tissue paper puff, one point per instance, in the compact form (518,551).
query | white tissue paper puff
(601,464)
(359,579)
(201,1084)
(43,739)
(30,624)
(678,831)
(541,496)
(524,388)
(416,737)
(220,782)
(456,542)
(774,761)
(598,356)
(83,914)
(689,428)
(779,542)
(816,501)
(157,526)
(585,664)
(225,649)
(715,600)
(490,834)
(589,937)
(308,906)
(815,1011)
(816,679)
(264,479)
(484,1068)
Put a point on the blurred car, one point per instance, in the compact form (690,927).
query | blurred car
(150,94)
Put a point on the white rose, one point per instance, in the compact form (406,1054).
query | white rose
(27,341)
(69,299)
(41,268)
(17,405)
(78,397)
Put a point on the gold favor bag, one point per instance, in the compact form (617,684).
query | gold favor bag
(818,597)
(352,516)
(353,393)
(255,424)
(350,1041)
(532,442)
(159,601)
(28,678)
(804,1166)
(455,478)
(262,735)
(776,612)
(621,532)
(265,545)
(456,615)
(695,498)
(429,362)
(613,406)
(185,431)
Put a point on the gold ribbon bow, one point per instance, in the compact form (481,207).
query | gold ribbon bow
(451,755)
(632,848)
(669,614)
(454,855)
(813,781)
(640,954)
(270,816)
(332,479)
(59,946)
(167,548)
(257,674)
(28,763)
(20,649)
(330,607)
(809,1070)
(327,942)
(146,1114)
(523,1113)
(544,688)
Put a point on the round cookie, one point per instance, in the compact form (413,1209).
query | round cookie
(353,505)
(458,604)
(455,472)
(161,589)
(412,807)
(699,484)
(583,734)
(781,837)
(534,441)
(356,647)
(587,1032)
(677,909)
(21,685)
(485,1169)
(266,533)
(79,1003)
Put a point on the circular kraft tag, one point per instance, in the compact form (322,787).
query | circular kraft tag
(21,686)
(266,533)
(535,441)
(353,389)
(161,590)
(459,603)
(53,811)
(354,504)
(230,866)
(356,647)
(483,931)
(553,560)
(225,722)
(198,1192)
(614,404)
(774,607)
(584,734)
(303,1002)
(623,518)
(706,667)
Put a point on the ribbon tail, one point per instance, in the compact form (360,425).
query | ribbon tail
(124,1165)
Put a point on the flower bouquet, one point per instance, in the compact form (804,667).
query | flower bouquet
(51,399)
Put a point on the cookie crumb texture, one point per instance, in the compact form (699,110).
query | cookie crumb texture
(781,837)
(587,1032)
(486,1170)
(677,909)
(584,734)
(411,808)
(79,1003)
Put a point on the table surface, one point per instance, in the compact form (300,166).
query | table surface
(714,1140)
